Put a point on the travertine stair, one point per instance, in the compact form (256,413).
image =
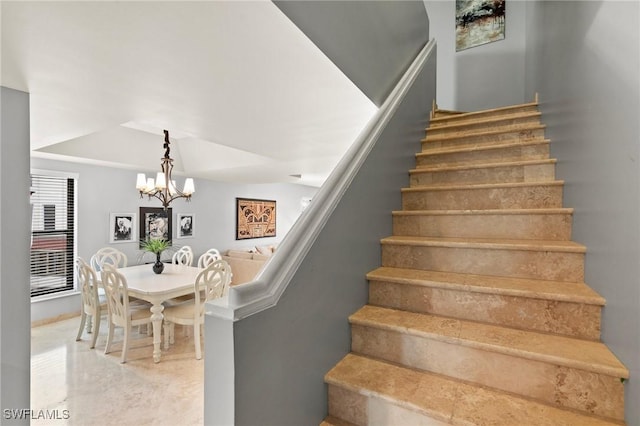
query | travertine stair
(479,314)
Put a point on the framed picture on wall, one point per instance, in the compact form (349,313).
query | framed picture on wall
(155,223)
(255,218)
(479,22)
(122,227)
(185,225)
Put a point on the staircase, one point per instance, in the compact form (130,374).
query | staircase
(479,314)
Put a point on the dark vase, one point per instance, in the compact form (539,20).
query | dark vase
(158,267)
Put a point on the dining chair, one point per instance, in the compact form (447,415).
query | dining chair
(108,255)
(121,312)
(211,283)
(184,256)
(208,257)
(92,302)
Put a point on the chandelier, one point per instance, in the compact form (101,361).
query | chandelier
(164,187)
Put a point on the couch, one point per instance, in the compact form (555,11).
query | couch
(246,263)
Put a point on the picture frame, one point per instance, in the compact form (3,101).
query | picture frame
(185,222)
(255,218)
(122,227)
(155,223)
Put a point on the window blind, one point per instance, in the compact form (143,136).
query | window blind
(52,234)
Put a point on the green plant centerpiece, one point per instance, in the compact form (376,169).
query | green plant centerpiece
(155,246)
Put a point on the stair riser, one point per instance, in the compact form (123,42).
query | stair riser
(557,385)
(544,265)
(506,124)
(521,226)
(528,197)
(538,151)
(506,174)
(464,118)
(488,138)
(372,410)
(549,316)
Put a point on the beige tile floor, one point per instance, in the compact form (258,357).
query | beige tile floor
(96,389)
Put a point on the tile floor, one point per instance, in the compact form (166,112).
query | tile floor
(96,389)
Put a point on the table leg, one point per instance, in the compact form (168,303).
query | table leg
(156,320)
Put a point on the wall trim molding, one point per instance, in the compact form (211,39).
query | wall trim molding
(265,291)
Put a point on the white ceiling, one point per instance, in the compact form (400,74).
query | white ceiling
(246,97)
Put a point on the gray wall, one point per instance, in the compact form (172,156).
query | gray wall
(15,225)
(372,42)
(213,207)
(583,59)
(283,353)
(485,76)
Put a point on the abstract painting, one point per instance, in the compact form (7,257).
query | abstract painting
(479,22)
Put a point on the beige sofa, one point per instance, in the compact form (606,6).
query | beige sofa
(245,264)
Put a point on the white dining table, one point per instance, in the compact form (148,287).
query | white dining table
(143,283)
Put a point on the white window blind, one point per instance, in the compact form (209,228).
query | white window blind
(52,233)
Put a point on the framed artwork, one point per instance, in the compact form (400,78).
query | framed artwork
(479,22)
(155,223)
(255,218)
(122,227)
(185,225)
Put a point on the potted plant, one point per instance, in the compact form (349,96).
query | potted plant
(155,246)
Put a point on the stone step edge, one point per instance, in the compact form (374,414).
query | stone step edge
(487,120)
(481,147)
(525,127)
(488,284)
(467,186)
(467,114)
(487,244)
(335,421)
(487,212)
(552,342)
(477,166)
(451,385)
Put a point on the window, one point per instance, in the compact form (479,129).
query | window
(52,232)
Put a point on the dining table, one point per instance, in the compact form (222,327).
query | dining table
(143,283)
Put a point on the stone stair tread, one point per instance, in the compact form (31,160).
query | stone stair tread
(492,131)
(451,126)
(448,400)
(472,114)
(452,186)
(432,169)
(481,147)
(587,355)
(487,243)
(557,210)
(520,287)
(334,421)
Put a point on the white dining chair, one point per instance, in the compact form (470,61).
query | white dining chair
(208,257)
(211,283)
(92,303)
(121,312)
(184,256)
(110,256)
